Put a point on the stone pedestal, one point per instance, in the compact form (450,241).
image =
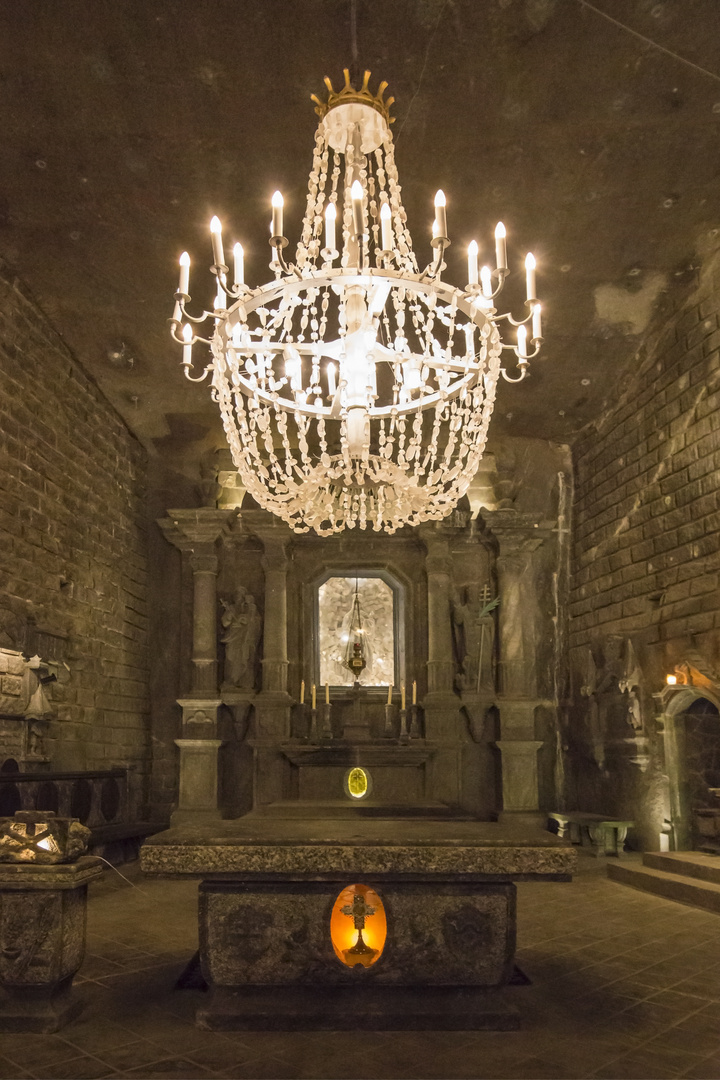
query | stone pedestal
(198,795)
(42,942)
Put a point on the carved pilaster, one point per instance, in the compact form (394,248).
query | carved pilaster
(275,658)
(438,565)
(518,537)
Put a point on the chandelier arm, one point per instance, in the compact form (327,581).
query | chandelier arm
(180,340)
(509,378)
(199,378)
(507,316)
(528,356)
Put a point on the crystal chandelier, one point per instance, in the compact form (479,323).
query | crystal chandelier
(355,388)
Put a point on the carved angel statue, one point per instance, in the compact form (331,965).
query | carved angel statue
(242,628)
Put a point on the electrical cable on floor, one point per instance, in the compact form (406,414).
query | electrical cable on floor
(134,886)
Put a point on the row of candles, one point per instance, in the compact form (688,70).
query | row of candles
(477,277)
(313,694)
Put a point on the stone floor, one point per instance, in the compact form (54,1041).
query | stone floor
(624,985)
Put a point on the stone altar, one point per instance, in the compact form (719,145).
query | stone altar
(268,888)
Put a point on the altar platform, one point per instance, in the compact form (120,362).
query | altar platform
(432,902)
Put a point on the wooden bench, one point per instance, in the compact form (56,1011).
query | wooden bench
(604,835)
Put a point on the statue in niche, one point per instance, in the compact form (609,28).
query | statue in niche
(474,627)
(242,627)
(613,695)
(630,685)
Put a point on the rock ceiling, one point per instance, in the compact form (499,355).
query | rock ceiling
(126,125)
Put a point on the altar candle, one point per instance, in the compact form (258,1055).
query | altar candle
(402,696)
(314,697)
(414,692)
(390,690)
(302,692)
(327,693)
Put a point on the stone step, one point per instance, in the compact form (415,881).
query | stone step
(686,890)
(694,864)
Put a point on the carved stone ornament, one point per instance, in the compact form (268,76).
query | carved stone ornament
(38,836)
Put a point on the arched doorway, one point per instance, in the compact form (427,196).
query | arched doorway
(691,724)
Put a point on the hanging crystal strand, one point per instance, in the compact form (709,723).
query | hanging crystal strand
(408,261)
(310,209)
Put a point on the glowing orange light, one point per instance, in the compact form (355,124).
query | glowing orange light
(343,933)
(671,680)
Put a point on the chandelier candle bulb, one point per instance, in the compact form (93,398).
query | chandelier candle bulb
(390,690)
(402,696)
(277,215)
(330,215)
(500,246)
(441,213)
(414,697)
(314,696)
(302,692)
(472,263)
(238,265)
(522,341)
(530,275)
(486,281)
(537,323)
(356,194)
(187,334)
(217,243)
(184,286)
(386,226)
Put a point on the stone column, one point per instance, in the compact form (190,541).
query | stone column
(443,720)
(275,658)
(196,533)
(517,700)
(441,669)
(273,703)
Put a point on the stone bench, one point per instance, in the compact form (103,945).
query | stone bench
(606,836)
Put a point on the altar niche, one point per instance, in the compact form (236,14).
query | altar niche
(379,602)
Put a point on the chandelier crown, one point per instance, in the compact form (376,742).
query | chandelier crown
(350,96)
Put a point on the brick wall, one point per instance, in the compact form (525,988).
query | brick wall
(647,489)
(646,545)
(73,539)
